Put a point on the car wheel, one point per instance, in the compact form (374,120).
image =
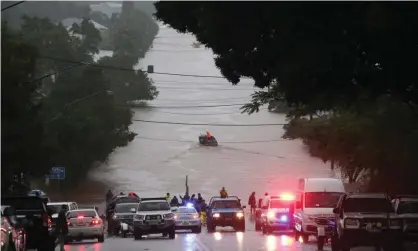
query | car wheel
(305,238)
(197,230)
(257,226)
(241,227)
(265,229)
(210,227)
(101,238)
(172,234)
(137,235)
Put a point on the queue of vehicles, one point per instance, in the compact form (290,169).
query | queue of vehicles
(320,207)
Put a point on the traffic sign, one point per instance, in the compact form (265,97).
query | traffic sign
(56,173)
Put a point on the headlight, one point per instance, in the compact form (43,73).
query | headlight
(240,214)
(351,223)
(115,217)
(169,216)
(395,223)
(271,215)
(139,217)
(216,215)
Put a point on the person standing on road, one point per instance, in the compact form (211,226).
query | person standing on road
(109,195)
(252,202)
(62,227)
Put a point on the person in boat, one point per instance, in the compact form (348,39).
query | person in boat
(209,135)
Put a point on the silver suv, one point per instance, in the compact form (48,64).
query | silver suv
(154,216)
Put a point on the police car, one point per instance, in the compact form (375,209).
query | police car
(187,218)
(277,213)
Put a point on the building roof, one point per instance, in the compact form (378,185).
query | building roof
(68,23)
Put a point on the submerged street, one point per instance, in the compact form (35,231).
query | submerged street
(160,157)
(249,158)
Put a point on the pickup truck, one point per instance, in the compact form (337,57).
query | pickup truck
(406,207)
(32,215)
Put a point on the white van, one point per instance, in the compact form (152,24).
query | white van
(316,200)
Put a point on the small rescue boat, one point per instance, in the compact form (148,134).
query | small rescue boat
(204,140)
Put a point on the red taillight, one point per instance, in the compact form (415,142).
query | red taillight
(46,220)
(95,222)
(68,223)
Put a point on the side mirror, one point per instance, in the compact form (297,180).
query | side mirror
(133,210)
(335,210)
(264,207)
(244,207)
(298,205)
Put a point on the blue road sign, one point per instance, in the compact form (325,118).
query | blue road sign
(57,173)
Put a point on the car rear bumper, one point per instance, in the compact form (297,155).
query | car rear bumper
(85,231)
(188,224)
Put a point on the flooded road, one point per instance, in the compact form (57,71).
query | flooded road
(249,158)
(158,160)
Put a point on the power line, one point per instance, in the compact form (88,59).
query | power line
(196,106)
(56,72)
(129,69)
(221,142)
(198,89)
(205,124)
(12,5)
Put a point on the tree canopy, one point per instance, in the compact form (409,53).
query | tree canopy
(321,54)
(56,113)
(350,66)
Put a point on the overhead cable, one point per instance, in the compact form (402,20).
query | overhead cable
(128,69)
(205,124)
(221,142)
(12,5)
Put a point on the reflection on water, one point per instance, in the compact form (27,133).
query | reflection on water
(286,241)
(271,243)
(217,236)
(240,240)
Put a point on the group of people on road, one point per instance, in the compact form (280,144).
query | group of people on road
(252,202)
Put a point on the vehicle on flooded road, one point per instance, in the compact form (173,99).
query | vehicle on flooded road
(187,218)
(406,207)
(315,201)
(366,220)
(225,212)
(154,216)
(277,214)
(124,214)
(84,224)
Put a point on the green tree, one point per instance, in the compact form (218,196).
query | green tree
(353,62)
(324,55)
(22,149)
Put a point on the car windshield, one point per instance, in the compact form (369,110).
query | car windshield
(54,208)
(125,208)
(281,204)
(226,204)
(186,210)
(82,213)
(367,205)
(154,206)
(408,207)
(127,199)
(321,199)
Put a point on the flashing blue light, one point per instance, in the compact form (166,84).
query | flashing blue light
(189,204)
(283,218)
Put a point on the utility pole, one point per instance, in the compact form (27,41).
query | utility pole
(187,186)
